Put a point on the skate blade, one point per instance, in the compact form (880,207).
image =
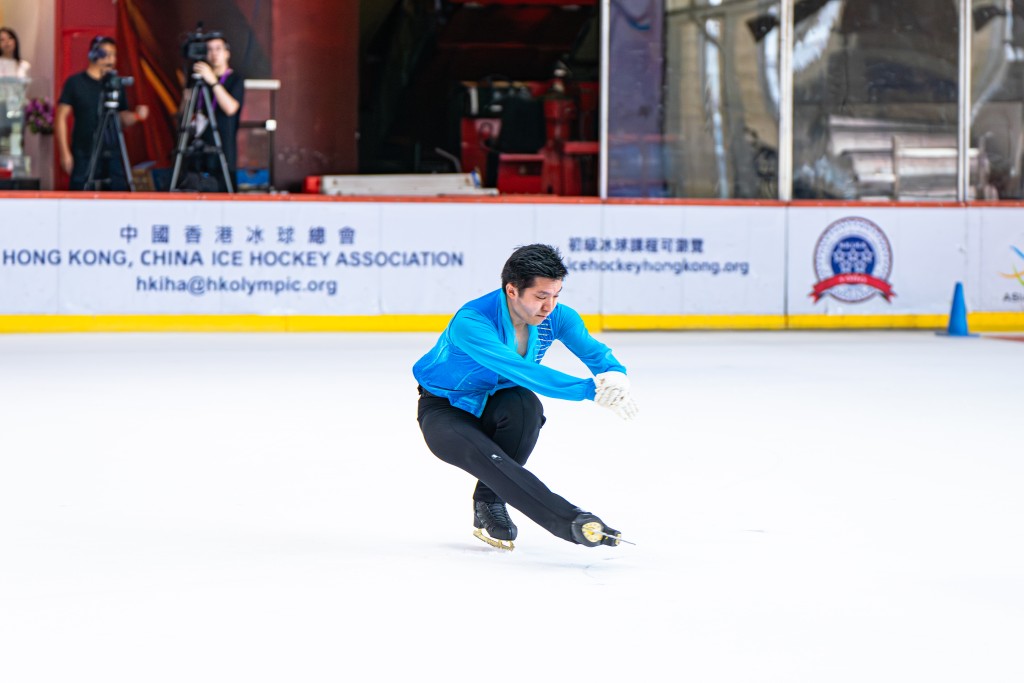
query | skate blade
(495,542)
(594,532)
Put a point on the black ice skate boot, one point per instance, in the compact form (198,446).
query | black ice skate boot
(493,525)
(589,530)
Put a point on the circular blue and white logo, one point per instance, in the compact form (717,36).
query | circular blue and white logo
(853,261)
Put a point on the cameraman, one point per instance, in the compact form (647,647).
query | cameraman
(227,89)
(83,95)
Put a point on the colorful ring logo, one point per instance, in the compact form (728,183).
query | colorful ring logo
(1016,274)
(852,261)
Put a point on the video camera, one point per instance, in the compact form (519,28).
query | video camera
(112,84)
(194,46)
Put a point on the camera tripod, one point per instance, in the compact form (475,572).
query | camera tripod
(199,90)
(110,121)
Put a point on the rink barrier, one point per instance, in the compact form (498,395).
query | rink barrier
(44,324)
(932,246)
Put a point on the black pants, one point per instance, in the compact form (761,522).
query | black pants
(494,448)
(109,169)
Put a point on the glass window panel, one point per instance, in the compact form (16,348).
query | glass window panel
(722,98)
(694,99)
(875,99)
(997,96)
(718,132)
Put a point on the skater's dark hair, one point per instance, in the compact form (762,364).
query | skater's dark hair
(528,263)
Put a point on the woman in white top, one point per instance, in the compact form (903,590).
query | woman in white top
(11,63)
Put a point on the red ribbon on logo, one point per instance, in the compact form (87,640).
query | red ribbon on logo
(852,279)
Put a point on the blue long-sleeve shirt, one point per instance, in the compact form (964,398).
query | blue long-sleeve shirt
(476,356)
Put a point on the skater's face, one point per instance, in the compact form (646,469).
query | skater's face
(531,305)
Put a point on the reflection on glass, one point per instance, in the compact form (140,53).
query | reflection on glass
(875,87)
(875,99)
(721,98)
(998,95)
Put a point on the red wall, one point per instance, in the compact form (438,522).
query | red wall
(315,53)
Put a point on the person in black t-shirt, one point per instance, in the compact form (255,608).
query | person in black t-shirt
(82,96)
(227,88)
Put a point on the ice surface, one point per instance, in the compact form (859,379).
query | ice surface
(808,507)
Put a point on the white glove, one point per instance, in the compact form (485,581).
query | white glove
(626,409)
(613,393)
(611,388)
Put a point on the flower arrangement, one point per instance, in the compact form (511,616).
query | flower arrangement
(39,115)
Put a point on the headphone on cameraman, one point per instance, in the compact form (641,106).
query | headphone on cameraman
(96,51)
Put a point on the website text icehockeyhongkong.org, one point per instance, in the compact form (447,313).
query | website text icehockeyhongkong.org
(674,266)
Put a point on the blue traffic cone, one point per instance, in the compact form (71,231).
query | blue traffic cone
(958,315)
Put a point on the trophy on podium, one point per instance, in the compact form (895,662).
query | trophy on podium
(13,162)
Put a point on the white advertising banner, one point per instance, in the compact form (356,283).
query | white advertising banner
(481,235)
(208,257)
(998,278)
(295,257)
(30,257)
(686,260)
(849,260)
(558,225)
(97,257)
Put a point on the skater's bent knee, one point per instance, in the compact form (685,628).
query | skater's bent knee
(519,401)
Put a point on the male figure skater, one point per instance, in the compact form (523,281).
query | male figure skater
(478,407)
